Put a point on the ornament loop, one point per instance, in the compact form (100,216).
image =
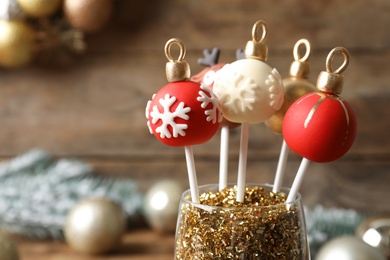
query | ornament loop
(168,46)
(255,31)
(306,57)
(330,57)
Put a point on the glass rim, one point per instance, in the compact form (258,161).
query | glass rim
(187,199)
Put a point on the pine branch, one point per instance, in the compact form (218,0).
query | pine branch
(36,193)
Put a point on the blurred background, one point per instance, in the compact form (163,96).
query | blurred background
(87,101)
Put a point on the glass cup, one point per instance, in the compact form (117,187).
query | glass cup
(240,232)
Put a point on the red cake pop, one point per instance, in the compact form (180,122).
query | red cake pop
(321,126)
(182,112)
(207,77)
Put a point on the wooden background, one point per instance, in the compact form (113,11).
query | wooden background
(94,109)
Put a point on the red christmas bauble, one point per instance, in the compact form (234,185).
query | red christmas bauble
(320,127)
(184,113)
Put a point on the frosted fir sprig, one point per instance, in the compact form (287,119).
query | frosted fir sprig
(323,224)
(37,191)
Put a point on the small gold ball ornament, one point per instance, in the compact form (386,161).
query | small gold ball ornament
(8,249)
(39,8)
(162,205)
(295,86)
(375,231)
(88,15)
(16,43)
(94,226)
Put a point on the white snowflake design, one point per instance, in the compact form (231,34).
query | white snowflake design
(167,117)
(147,114)
(206,96)
(276,89)
(235,91)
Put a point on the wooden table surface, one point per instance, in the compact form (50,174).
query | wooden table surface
(136,245)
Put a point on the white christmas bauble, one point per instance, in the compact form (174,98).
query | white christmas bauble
(162,205)
(249,91)
(94,226)
(8,249)
(348,248)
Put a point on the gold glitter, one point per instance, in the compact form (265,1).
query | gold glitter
(261,227)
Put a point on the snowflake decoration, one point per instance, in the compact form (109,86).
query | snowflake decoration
(237,92)
(168,118)
(276,89)
(147,114)
(206,96)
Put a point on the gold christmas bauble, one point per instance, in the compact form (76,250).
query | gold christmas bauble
(39,8)
(88,15)
(8,249)
(161,205)
(94,226)
(16,43)
(294,88)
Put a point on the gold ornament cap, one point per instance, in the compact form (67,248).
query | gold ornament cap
(176,70)
(256,49)
(300,67)
(330,81)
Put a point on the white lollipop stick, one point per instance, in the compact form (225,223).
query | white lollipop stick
(298,180)
(242,162)
(192,174)
(224,155)
(281,167)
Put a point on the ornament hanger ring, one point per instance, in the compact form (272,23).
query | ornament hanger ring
(255,31)
(168,46)
(296,50)
(330,57)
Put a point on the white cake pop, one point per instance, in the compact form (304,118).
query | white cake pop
(249,91)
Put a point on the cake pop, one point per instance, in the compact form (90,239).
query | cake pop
(249,91)
(210,61)
(295,86)
(320,126)
(183,112)
(207,77)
